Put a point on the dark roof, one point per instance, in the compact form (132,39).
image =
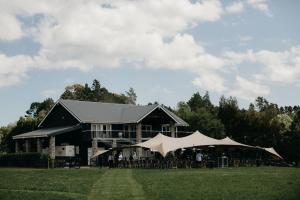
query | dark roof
(46,132)
(98,112)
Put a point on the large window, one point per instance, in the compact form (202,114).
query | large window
(146,131)
(101,130)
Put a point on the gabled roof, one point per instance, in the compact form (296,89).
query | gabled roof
(98,112)
(46,132)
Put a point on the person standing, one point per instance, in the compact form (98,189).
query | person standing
(120,159)
(199,157)
(110,161)
(130,160)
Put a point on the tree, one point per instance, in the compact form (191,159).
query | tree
(200,114)
(195,102)
(67,94)
(86,93)
(206,123)
(289,145)
(96,90)
(261,103)
(4,137)
(131,95)
(24,124)
(283,123)
(39,109)
(183,110)
(228,113)
(97,93)
(32,111)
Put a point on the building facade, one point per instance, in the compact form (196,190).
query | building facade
(80,128)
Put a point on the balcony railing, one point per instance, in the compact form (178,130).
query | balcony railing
(131,135)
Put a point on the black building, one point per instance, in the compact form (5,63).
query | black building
(83,127)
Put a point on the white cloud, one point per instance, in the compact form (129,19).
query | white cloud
(13,69)
(248,90)
(280,67)
(153,34)
(210,82)
(235,7)
(100,33)
(92,35)
(10,27)
(260,5)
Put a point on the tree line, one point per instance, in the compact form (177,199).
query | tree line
(261,124)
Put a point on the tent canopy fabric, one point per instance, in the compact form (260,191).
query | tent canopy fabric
(99,152)
(164,144)
(196,139)
(231,142)
(273,152)
(160,143)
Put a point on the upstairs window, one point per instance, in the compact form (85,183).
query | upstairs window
(101,130)
(147,128)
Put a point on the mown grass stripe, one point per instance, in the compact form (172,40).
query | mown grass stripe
(117,184)
(72,194)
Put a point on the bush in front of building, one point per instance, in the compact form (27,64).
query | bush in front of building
(37,160)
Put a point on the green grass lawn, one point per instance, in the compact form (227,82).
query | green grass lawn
(238,183)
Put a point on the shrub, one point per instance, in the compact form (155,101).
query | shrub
(24,160)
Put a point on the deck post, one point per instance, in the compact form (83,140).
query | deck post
(94,146)
(26,145)
(139,138)
(172,129)
(16,146)
(52,147)
(114,143)
(38,145)
(129,133)
(52,150)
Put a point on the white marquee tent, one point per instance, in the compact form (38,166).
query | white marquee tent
(164,144)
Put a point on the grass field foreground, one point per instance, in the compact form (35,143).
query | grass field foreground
(238,183)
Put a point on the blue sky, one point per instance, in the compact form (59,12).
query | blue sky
(166,50)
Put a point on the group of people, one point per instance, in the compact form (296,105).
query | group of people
(119,160)
(189,159)
(183,158)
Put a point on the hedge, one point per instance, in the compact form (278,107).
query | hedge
(24,160)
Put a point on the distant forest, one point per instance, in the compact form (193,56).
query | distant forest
(262,124)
